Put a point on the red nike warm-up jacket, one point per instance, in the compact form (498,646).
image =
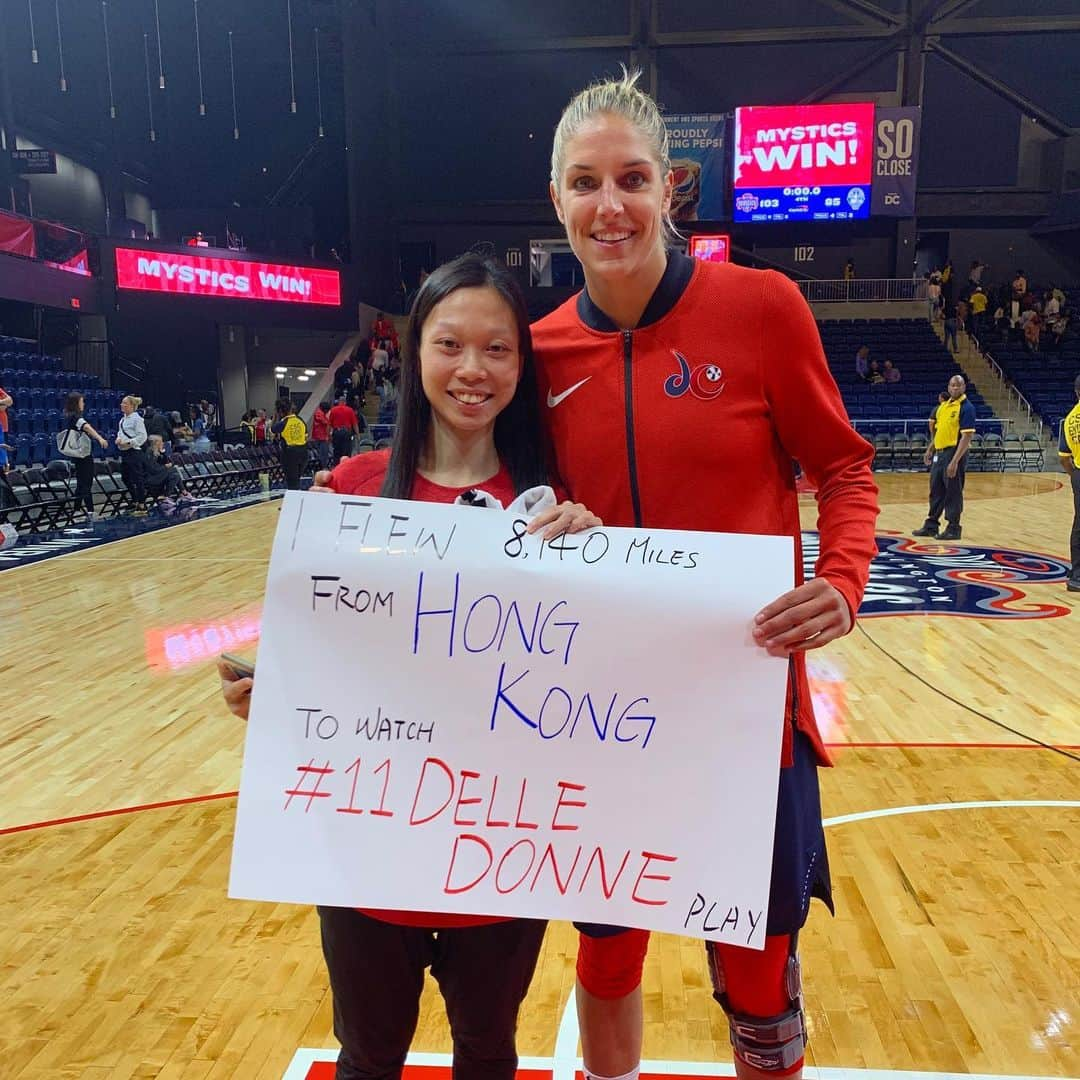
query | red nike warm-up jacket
(693,420)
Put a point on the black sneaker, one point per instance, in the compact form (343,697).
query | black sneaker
(951,533)
(926,530)
(1073,585)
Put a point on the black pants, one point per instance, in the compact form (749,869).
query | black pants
(946,496)
(133,471)
(84,483)
(1074,539)
(293,460)
(377,974)
(343,444)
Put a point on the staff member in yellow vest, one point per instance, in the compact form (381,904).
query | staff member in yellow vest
(294,442)
(1069,449)
(978,302)
(954,424)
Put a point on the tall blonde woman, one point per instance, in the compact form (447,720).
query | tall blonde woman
(130,441)
(678,394)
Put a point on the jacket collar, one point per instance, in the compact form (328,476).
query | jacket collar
(676,277)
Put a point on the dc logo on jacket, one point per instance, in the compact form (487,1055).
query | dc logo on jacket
(705,382)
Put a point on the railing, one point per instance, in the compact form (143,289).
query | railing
(1014,395)
(862,290)
(917,424)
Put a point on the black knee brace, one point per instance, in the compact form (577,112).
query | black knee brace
(773,1043)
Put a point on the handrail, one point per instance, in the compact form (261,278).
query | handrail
(861,290)
(1034,418)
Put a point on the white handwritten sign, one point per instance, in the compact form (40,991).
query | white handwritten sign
(450,715)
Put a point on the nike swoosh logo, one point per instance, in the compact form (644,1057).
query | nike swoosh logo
(555,399)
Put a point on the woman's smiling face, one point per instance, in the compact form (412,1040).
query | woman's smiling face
(612,197)
(470,359)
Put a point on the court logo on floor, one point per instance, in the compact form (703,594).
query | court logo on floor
(910,577)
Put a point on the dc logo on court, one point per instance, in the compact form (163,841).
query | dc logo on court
(705,382)
(912,578)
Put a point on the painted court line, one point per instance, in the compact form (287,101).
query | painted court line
(119,810)
(439,1066)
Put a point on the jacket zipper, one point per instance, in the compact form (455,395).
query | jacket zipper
(631,449)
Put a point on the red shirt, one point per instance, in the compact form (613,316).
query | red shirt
(320,426)
(363,475)
(3,412)
(343,416)
(693,419)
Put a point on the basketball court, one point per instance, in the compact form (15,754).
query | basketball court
(953,821)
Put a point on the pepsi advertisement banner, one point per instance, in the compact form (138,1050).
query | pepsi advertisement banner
(896,161)
(696,147)
(803,162)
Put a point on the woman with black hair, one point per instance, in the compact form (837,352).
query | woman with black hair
(468,427)
(84,466)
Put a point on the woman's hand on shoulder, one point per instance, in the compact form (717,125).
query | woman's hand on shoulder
(237,692)
(567,517)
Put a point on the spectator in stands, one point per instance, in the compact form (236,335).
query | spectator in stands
(355,390)
(181,433)
(962,311)
(210,418)
(978,302)
(380,358)
(862,362)
(5,404)
(197,425)
(294,439)
(1051,305)
(875,374)
(947,273)
(933,296)
(1069,451)
(382,331)
(162,479)
(130,441)
(247,427)
(388,401)
(976,272)
(950,333)
(1032,324)
(344,428)
(954,424)
(849,269)
(320,433)
(158,424)
(1016,296)
(890,372)
(262,428)
(84,466)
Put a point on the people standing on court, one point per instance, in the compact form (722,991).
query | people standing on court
(344,428)
(469,425)
(320,433)
(294,442)
(84,466)
(1069,450)
(954,424)
(667,408)
(130,440)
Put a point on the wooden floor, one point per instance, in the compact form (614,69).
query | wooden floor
(956,947)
